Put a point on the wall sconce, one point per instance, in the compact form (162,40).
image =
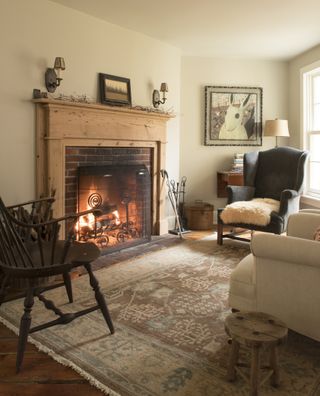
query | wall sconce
(53,76)
(156,101)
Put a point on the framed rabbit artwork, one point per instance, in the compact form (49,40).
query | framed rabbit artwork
(233,116)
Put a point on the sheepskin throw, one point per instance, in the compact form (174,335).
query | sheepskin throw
(316,235)
(257,211)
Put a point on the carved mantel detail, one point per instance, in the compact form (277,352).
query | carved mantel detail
(62,124)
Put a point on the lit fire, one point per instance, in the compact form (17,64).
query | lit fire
(116,217)
(87,222)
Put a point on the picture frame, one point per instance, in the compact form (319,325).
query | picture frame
(233,116)
(114,90)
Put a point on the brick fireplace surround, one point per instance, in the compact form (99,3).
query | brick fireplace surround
(62,126)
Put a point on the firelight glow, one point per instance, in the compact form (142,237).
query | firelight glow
(86,221)
(116,217)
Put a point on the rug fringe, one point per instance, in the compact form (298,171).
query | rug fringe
(65,362)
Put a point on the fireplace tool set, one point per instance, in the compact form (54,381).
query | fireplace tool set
(176,195)
(108,224)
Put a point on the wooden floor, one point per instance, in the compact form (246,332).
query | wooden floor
(40,374)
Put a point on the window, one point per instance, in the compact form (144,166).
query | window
(311,129)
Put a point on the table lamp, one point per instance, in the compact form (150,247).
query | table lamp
(277,128)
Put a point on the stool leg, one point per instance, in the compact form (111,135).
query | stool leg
(231,373)
(255,366)
(275,378)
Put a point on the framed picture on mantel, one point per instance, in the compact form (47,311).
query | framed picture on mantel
(233,116)
(114,90)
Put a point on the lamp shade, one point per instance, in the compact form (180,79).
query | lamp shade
(276,128)
(164,87)
(59,63)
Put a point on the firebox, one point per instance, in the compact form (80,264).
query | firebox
(122,193)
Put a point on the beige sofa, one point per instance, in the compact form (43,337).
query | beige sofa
(282,276)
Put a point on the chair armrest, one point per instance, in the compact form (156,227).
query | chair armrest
(73,216)
(303,224)
(286,248)
(35,211)
(289,202)
(52,229)
(33,202)
(288,194)
(240,193)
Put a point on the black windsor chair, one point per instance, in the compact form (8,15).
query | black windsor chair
(30,250)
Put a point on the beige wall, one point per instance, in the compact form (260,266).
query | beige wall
(32,34)
(200,163)
(295,67)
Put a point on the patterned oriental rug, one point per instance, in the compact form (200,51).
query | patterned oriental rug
(168,309)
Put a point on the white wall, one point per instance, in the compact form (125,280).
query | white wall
(32,34)
(295,66)
(200,163)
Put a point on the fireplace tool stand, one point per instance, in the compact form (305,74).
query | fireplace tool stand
(175,191)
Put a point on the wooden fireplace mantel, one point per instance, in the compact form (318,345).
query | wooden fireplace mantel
(60,124)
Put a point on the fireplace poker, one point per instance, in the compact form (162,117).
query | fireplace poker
(183,187)
(172,199)
(178,195)
(173,188)
(183,192)
(175,191)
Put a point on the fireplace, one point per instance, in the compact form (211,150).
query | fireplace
(123,195)
(95,131)
(117,181)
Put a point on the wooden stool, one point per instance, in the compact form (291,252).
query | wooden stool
(257,331)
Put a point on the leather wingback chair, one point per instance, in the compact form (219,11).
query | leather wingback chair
(277,173)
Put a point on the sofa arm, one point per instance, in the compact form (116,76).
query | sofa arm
(286,248)
(303,224)
(240,193)
(315,211)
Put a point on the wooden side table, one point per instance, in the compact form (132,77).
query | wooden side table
(257,331)
(227,178)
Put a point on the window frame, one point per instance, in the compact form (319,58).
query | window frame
(308,75)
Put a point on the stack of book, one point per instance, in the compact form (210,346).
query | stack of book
(237,163)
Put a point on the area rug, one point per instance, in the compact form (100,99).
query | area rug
(168,308)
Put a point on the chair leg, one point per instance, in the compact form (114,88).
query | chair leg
(219,229)
(4,284)
(24,327)
(99,297)
(68,286)
(220,233)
